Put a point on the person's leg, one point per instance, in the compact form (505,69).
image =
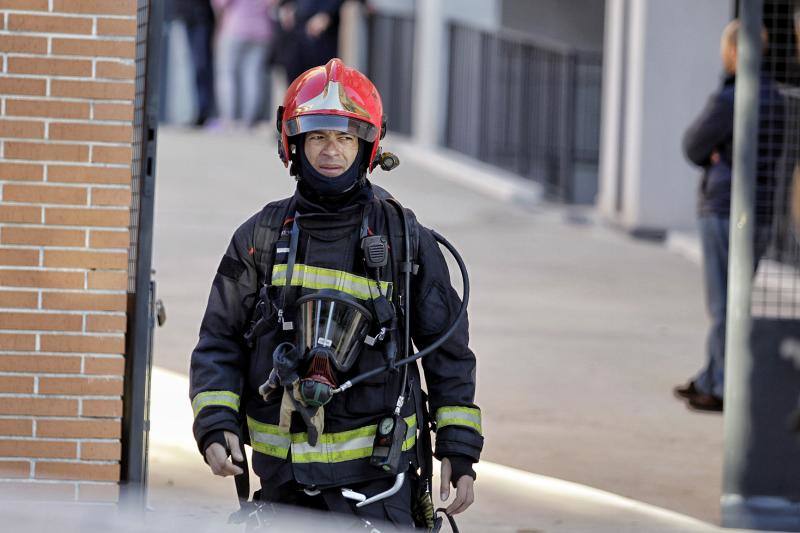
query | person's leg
(714,240)
(200,36)
(226,81)
(254,64)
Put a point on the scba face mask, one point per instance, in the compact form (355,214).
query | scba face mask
(332,327)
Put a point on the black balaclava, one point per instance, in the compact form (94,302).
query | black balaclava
(325,186)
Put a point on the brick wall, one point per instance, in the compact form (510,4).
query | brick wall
(66,115)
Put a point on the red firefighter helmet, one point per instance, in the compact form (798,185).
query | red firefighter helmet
(331,97)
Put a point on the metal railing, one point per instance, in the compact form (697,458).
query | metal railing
(526,108)
(390,64)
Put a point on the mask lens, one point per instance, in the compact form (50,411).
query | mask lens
(335,324)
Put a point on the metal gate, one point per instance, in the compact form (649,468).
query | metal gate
(141,287)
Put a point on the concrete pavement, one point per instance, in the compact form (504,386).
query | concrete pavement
(580,333)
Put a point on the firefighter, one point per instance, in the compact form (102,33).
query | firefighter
(309,294)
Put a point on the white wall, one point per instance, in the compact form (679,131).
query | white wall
(670,52)
(575,24)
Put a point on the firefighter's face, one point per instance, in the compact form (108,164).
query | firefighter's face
(331,152)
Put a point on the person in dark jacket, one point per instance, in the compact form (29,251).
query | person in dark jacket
(198,18)
(708,143)
(308,34)
(311,249)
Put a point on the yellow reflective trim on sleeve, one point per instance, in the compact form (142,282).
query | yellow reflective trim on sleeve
(268,439)
(215,398)
(318,278)
(459,416)
(344,446)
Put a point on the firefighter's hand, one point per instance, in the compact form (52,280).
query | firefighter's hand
(217,456)
(465,494)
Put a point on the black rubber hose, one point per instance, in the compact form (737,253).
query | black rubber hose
(444,336)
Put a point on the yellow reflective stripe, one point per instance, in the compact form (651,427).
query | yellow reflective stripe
(318,278)
(215,397)
(344,446)
(459,416)
(268,439)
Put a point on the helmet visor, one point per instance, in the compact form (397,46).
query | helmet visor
(333,322)
(305,123)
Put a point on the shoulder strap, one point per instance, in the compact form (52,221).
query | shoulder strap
(267,231)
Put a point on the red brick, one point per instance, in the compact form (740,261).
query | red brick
(81,344)
(16,427)
(112,111)
(102,90)
(108,366)
(83,386)
(84,302)
(102,409)
(109,239)
(82,259)
(47,109)
(96,7)
(38,448)
(87,217)
(115,70)
(25,5)
(67,131)
(51,364)
(20,172)
(42,278)
(18,257)
(77,471)
(79,429)
(16,385)
(15,469)
(111,197)
(108,280)
(41,321)
(46,151)
(49,24)
(42,236)
(79,174)
(122,27)
(112,154)
(27,86)
(23,43)
(101,451)
(20,213)
(17,341)
(22,129)
(105,323)
(19,299)
(44,194)
(49,66)
(39,407)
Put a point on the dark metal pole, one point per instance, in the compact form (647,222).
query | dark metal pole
(738,354)
(136,400)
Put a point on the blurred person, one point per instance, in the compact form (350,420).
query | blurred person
(243,45)
(198,18)
(708,143)
(314,291)
(308,34)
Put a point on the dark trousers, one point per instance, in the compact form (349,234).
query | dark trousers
(715,237)
(392,511)
(199,36)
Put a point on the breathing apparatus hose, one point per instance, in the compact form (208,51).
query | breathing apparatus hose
(435,344)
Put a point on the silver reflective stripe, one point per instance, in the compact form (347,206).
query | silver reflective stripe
(215,398)
(319,278)
(459,416)
(268,439)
